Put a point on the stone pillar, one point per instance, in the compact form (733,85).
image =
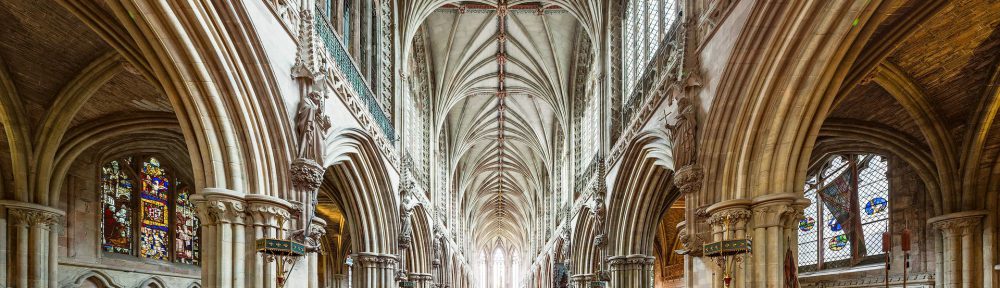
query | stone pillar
(422,280)
(36,237)
(961,252)
(222,215)
(375,271)
(729,222)
(265,212)
(772,214)
(582,280)
(632,271)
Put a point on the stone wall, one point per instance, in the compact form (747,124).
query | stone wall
(908,205)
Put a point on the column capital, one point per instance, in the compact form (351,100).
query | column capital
(959,222)
(631,260)
(265,210)
(735,212)
(216,205)
(29,214)
(776,209)
(375,260)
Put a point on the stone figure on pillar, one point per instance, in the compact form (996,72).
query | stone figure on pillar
(311,125)
(409,202)
(683,133)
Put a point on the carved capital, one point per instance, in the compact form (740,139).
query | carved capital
(268,214)
(734,218)
(219,209)
(960,223)
(688,179)
(307,175)
(27,217)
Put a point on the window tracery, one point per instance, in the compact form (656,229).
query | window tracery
(646,22)
(849,212)
(167,226)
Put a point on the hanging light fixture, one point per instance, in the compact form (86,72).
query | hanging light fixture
(730,252)
(284,252)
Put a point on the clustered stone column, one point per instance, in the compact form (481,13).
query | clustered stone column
(222,213)
(36,240)
(422,280)
(729,221)
(961,250)
(375,269)
(634,270)
(773,215)
(769,221)
(265,214)
(582,280)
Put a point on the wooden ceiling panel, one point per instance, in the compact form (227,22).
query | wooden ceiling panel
(951,57)
(44,46)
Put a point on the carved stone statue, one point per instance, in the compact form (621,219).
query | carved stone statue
(311,125)
(408,203)
(683,133)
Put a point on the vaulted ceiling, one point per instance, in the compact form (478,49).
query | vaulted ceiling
(502,177)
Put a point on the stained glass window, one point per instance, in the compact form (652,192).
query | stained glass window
(116,196)
(155,217)
(848,214)
(147,188)
(644,26)
(186,236)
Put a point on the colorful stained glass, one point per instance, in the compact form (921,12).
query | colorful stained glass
(807,224)
(186,241)
(116,196)
(877,205)
(838,242)
(834,225)
(153,239)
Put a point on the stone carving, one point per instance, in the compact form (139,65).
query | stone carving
(31,217)
(567,245)
(683,133)
(408,202)
(312,124)
(688,179)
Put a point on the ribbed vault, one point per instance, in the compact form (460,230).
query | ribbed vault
(501,173)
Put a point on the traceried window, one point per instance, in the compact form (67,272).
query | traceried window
(146,186)
(849,212)
(646,24)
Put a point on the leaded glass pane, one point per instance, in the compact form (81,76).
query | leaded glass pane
(153,206)
(873,201)
(116,195)
(808,227)
(652,29)
(186,242)
(835,244)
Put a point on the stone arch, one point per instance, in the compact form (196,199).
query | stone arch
(642,191)
(745,157)
(153,282)
(95,278)
(358,172)
(222,97)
